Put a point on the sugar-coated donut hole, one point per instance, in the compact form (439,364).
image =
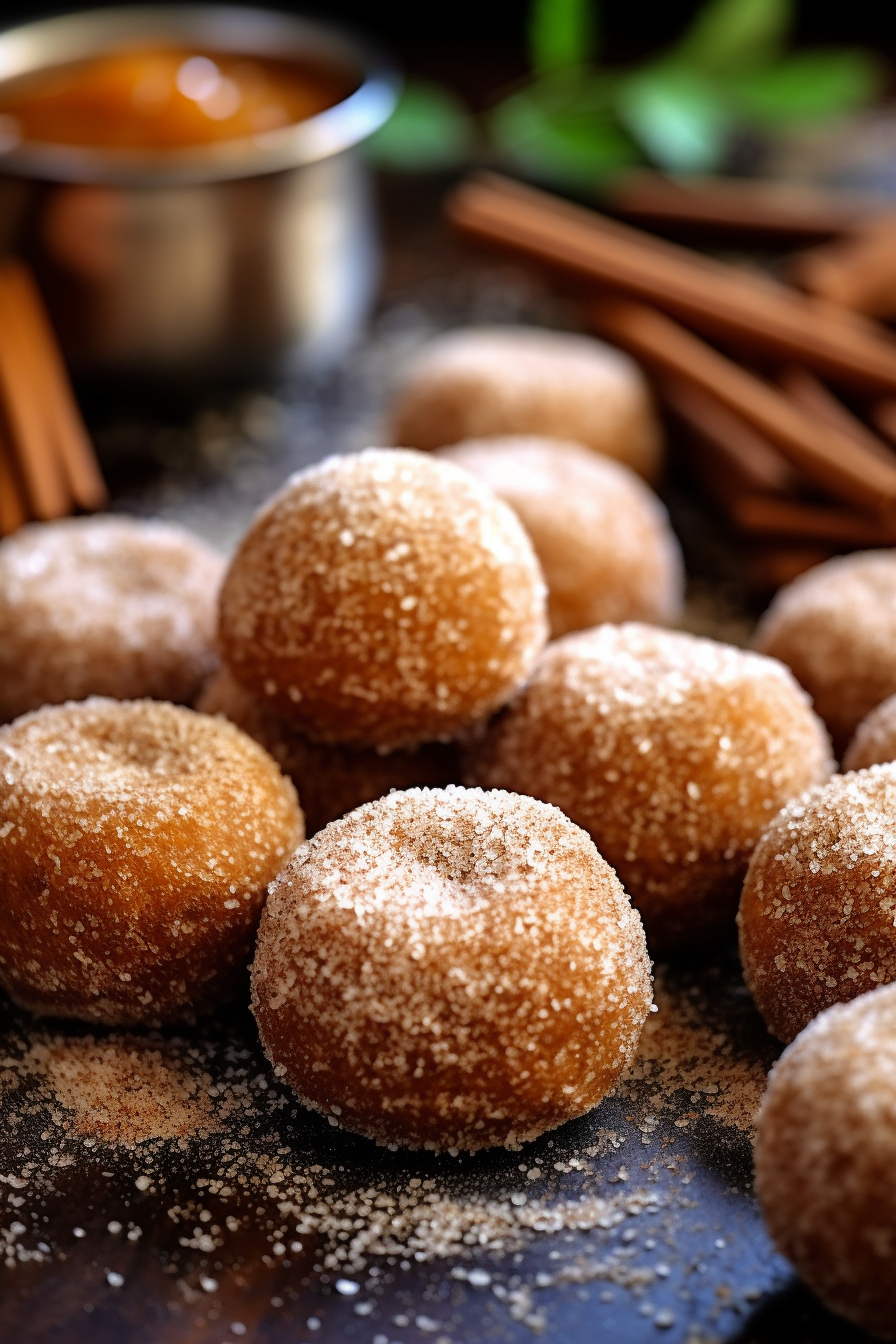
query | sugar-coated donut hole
(816,913)
(383,599)
(835,627)
(601,535)
(826,1159)
(105,606)
(136,842)
(450,969)
(673,752)
(874,742)
(330,780)
(479,382)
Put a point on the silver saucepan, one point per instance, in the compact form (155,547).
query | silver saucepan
(246,256)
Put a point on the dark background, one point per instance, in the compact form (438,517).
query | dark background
(427,33)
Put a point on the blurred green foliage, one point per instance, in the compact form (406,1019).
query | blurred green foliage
(429,129)
(574,121)
(562,34)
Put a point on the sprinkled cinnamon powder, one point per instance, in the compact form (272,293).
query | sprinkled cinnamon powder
(234,1179)
(687,1046)
(124,1090)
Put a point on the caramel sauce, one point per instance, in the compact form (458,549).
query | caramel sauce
(163,99)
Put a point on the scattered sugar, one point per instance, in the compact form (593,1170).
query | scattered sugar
(700,1055)
(123,1090)
(255,1181)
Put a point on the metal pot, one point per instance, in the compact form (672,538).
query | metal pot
(244,257)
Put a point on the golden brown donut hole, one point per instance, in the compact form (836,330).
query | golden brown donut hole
(601,535)
(816,913)
(330,780)
(481,382)
(450,969)
(673,752)
(835,628)
(874,742)
(105,606)
(383,599)
(826,1159)
(136,842)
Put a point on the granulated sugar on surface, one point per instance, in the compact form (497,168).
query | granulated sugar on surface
(197,1144)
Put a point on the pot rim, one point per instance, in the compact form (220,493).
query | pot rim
(45,43)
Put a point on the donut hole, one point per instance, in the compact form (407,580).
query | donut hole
(331,780)
(137,839)
(450,968)
(673,752)
(826,1157)
(383,600)
(816,911)
(104,606)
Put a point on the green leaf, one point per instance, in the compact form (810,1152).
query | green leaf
(429,129)
(562,34)
(729,35)
(809,86)
(677,116)
(563,132)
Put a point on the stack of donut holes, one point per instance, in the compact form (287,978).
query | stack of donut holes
(383,631)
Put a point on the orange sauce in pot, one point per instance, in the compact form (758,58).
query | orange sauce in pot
(163,98)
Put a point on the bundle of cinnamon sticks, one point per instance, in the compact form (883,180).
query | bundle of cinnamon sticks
(751,370)
(48,467)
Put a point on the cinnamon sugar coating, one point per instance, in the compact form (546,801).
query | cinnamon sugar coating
(105,606)
(673,752)
(383,599)
(817,912)
(136,842)
(330,780)
(835,627)
(601,535)
(450,969)
(479,382)
(826,1159)
(874,742)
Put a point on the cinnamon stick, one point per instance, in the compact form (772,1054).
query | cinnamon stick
(838,464)
(883,416)
(739,205)
(709,295)
(76,453)
(857,272)
(751,460)
(757,515)
(818,400)
(30,435)
(13,511)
